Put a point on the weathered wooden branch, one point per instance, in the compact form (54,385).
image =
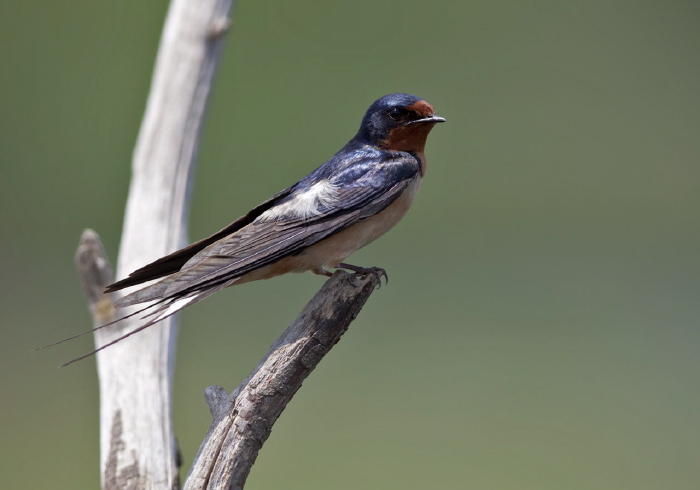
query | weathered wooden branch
(137,442)
(243,421)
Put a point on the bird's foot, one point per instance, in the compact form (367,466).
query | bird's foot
(363,272)
(322,272)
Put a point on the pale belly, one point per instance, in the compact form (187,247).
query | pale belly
(335,249)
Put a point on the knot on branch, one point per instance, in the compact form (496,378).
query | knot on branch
(217,399)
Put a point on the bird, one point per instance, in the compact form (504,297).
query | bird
(355,197)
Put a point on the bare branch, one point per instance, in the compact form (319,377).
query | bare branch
(138,448)
(243,421)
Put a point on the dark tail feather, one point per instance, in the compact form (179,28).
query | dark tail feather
(142,327)
(94,329)
(194,297)
(149,293)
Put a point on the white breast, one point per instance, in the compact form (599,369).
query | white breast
(338,247)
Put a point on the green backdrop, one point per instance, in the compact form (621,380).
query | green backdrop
(540,330)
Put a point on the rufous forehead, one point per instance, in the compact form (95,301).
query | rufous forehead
(422,108)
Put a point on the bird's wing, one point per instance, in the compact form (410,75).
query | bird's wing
(172,263)
(359,191)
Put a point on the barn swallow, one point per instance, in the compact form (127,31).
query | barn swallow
(345,204)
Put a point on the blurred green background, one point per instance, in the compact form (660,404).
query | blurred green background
(540,330)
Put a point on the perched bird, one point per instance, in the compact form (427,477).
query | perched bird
(346,203)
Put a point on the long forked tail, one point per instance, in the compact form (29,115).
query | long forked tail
(95,329)
(155,312)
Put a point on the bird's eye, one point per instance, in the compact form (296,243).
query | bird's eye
(396,113)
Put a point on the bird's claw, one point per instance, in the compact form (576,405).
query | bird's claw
(364,272)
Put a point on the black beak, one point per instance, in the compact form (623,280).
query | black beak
(430,119)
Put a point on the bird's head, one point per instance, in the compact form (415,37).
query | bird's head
(398,122)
